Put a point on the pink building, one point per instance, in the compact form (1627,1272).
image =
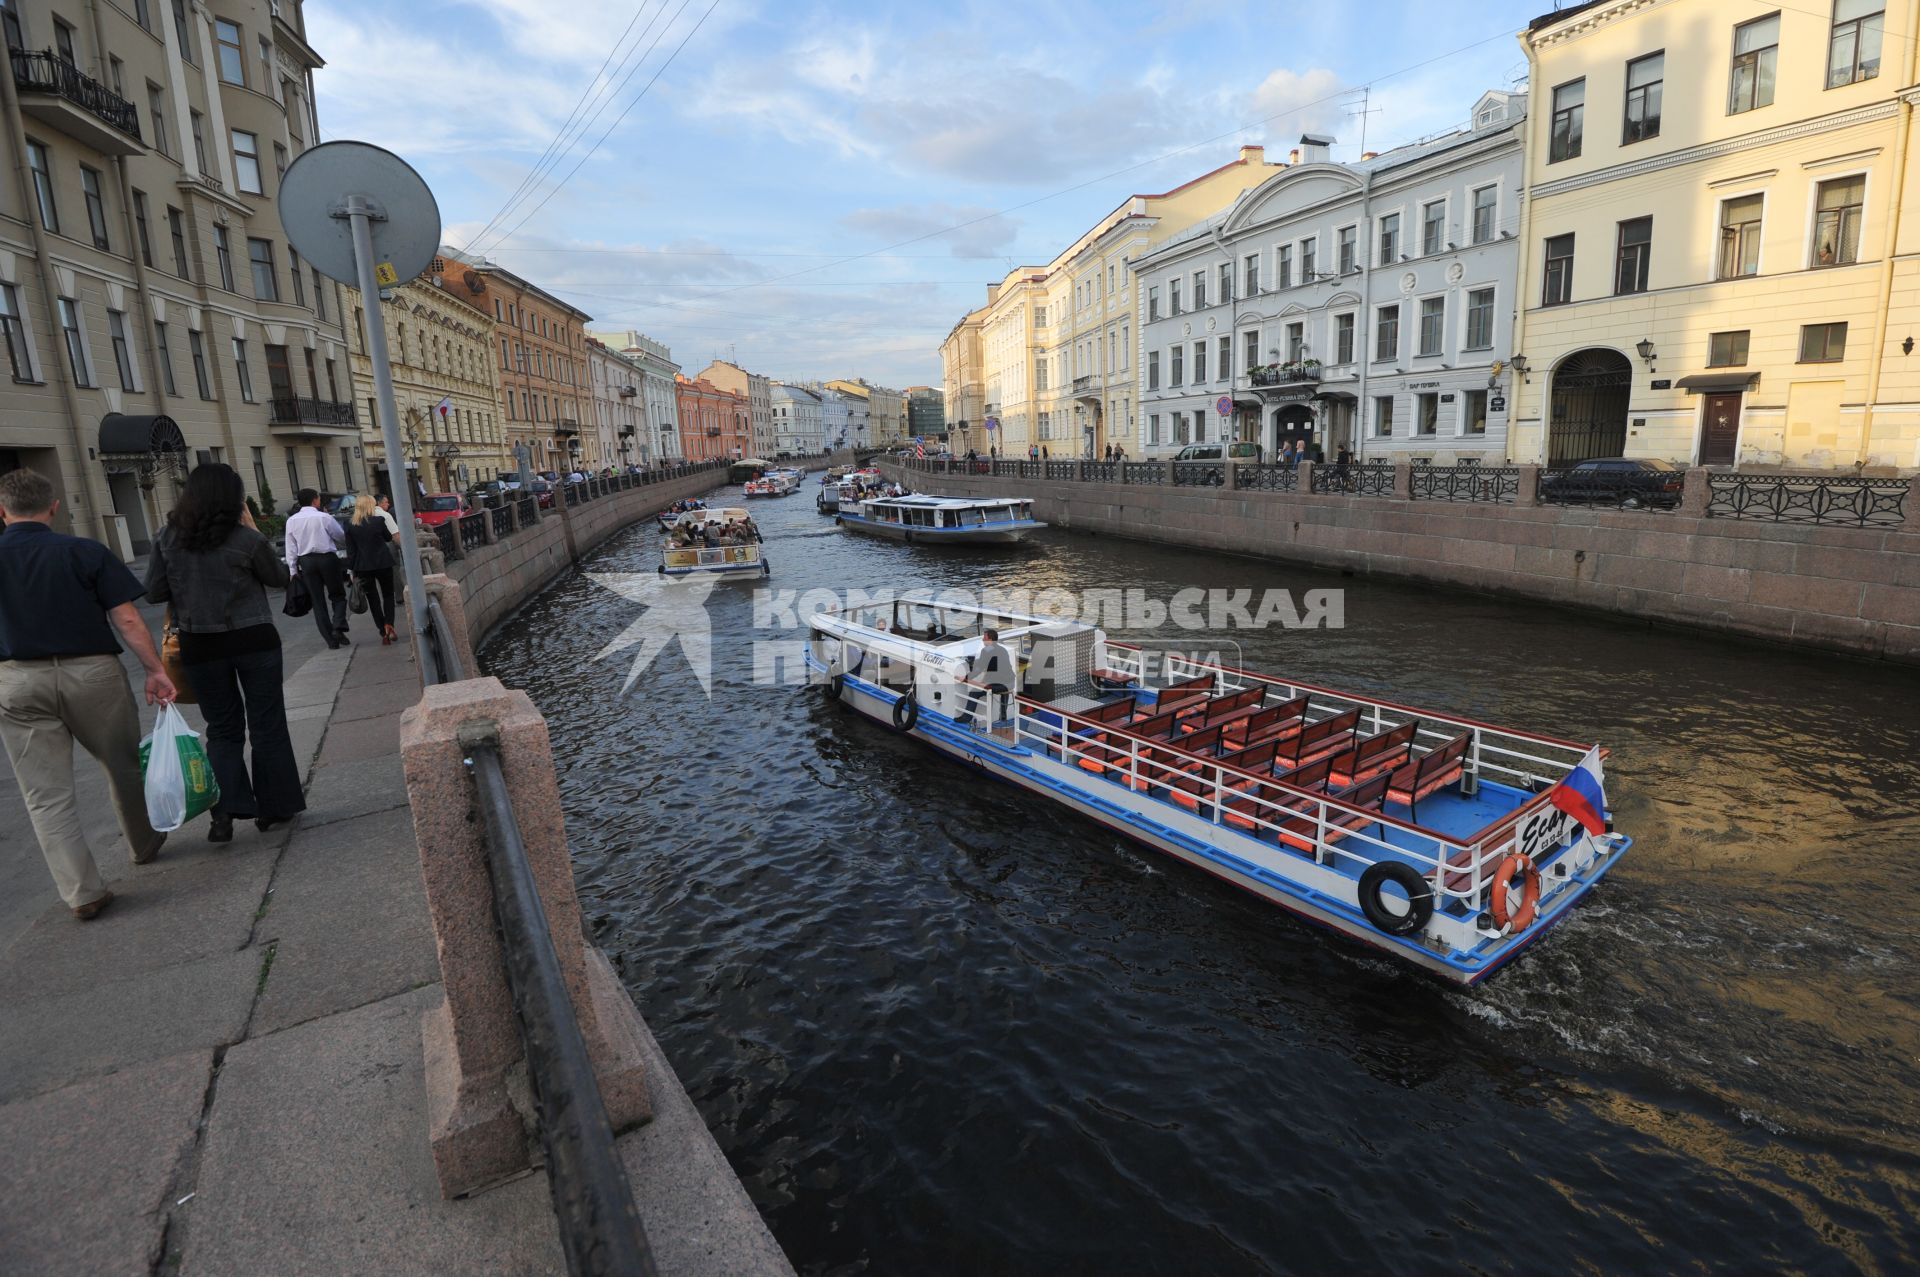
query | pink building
(714,423)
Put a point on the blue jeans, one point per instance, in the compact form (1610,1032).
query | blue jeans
(241,696)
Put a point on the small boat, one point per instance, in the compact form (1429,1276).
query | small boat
(727,562)
(672,513)
(764,488)
(926,520)
(1443,842)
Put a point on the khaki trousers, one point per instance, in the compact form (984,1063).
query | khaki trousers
(47,705)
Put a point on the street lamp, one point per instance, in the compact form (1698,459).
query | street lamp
(1645,348)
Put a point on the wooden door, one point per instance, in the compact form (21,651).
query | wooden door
(1720,429)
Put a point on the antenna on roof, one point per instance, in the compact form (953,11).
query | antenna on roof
(1366,108)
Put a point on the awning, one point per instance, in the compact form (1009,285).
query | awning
(1713,383)
(122,435)
(1337,396)
(1247,403)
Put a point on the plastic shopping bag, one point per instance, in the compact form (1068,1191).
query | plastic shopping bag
(179,776)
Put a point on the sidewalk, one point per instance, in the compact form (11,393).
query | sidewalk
(223,1073)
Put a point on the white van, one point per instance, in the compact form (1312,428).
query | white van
(1219,452)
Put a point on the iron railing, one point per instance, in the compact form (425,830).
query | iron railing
(1284,375)
(1802,498)
(1496,484)
(448,538)
(529,511)
(502,516)
(473,531)
(1267,477)
(1374,479)
(1102,472)
(298,410)
(1143,472)
(1627,489)
(1191,474)
(48,72)
(1063,469)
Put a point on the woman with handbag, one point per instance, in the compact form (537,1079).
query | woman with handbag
(214,567)
(370,559)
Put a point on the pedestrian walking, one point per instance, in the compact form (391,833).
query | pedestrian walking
(385,508)
(370,559)
(312,537)
(214,567)
(63,599)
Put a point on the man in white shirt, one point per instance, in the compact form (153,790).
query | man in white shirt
(312,537)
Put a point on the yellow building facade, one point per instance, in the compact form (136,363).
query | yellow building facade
(1718,241)
(442,352)
(1058,344)
(961,380)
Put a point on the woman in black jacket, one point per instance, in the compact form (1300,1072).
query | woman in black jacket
(213,565)
(370,559)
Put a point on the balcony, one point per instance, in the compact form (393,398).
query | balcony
(628,392)
(1279,382)
(566,426)
(294,415)
(59,95)
(1089,387)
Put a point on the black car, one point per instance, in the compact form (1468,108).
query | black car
(1628,482)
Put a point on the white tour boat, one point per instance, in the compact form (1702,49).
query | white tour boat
(1445,842)
(925,520)
(727,562)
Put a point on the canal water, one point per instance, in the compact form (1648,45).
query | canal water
(939,1027)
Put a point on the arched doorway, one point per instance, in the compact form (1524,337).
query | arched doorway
(1292,423)
(1588,413)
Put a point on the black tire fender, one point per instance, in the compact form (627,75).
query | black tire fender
(834,684)
(662,569)
(906,712)
(909,536)
(1419,897)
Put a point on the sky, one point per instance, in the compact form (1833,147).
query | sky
(824,189)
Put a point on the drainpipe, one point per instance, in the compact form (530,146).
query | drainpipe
(1363,337)
(1233,332)
(1877,358)
(1521,282)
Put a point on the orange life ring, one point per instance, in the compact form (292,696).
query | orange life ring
(1521,918)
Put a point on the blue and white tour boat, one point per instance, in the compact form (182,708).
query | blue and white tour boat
(1447,843)
(711,550)
(927,520)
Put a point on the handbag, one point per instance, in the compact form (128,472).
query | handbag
(357,596)
(299,602)
(171,662)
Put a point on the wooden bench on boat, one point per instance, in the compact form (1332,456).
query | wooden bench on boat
(1435,770)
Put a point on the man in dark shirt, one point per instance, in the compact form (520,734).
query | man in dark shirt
(62,599)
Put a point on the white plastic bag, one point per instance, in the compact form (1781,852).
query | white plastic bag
(178,776)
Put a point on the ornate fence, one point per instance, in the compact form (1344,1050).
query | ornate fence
(1374,479)
(1800,498)
(1190,474)
(1062,469)
(502,517)
(473,530)
(529,510)
(1500,484)
(1268,477)
(1103,471)
(1143,472)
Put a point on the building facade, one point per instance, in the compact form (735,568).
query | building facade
(1364,306)
(926,413)
(542,361)
(963,387)
(860,422)
(715,424)
(757,391)
(619,437)
(798,420)
(446,387)
(659,396)
(153,314)
(1725,275)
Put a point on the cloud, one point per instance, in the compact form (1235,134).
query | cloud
(1288,103)
(980,232)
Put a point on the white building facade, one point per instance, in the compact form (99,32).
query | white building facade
(797,414)
(1365,306)
(619,434)
(659,405)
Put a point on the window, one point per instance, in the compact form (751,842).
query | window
(183,32)
(96,207)
(117,75)
(1486,205)
(1426,413)
(1252,274)
(1250,353)
(1823,343)
(246,161)
(1307,251)
(1756,49)
(266,286)
(1153,302)
(1433,323)
(233,68)
(143,14)
(63,42)
(76,343)
(1383,417)
(1480,319)
(1153,370)
(13,330)
(1475,412)
(1153,427)
(1039,373)
(1225,370)
(1346,241)
(1740,236)
(1173,297)
(164,358)
(122,352)
(197,347)
(1296,343)
(241,371)
(1179,420)
(1854,51)
(140,227)
(157,113)
(1389,239)
(1226,281)
(1283,266)
(16,39)
(1386,334)
(293,471)
(1557,285)
(1343,339)
(293,273)
(1836,227)
(1199,289)
(177,231)
(198,122)
(1176,374)
(319,295)
(1644,77)
(224,254)
(1630,258)
(1569,105)
(1727,350)
(1199,363)
(1433,227)
(43,186)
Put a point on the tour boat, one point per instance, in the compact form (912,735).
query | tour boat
(726,562)
(924,519)
(667,517)
(764,488)
(1449,844)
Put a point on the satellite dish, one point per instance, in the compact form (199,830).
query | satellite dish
(475,284)
(404,219)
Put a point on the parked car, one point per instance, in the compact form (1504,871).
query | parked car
(341,507)
(436,508)
(1628,482)
(1219,452)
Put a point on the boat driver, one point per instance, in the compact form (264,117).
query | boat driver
(992,666)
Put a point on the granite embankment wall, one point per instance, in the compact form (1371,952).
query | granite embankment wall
(1853,590)
(500,575)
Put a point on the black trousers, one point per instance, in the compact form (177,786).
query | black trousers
(378,583)
(327,586)
(1001,700)
(241,698)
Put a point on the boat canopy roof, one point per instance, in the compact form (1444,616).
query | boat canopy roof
(724,514)
(918,501)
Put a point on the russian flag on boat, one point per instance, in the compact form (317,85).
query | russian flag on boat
(1583,794)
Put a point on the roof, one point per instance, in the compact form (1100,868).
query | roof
(943,503)
(1561,15)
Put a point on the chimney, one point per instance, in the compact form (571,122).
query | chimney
(1293,156)
(1370,155)
(1253,155)
(1314,147)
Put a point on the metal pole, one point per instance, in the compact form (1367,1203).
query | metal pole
(358,214)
